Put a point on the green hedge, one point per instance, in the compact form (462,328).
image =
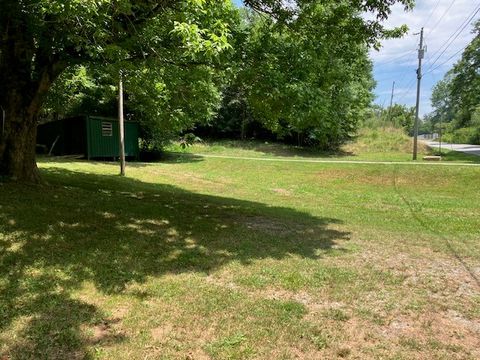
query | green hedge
(468,135)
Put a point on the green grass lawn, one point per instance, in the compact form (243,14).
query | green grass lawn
(239,259)
(388,144)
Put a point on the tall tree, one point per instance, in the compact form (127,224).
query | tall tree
(465,85)
(456,98)
(308,76)
(39,39)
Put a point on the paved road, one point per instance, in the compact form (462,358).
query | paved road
(464,148)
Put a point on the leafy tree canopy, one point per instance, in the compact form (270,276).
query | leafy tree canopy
(40,39)
(456,98)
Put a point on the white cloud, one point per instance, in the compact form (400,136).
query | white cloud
(437,29)
(397,60)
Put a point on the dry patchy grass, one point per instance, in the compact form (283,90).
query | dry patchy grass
(227,259)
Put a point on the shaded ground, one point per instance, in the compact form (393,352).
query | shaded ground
(238,259)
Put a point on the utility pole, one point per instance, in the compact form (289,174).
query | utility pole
(391,103)
(121,125)
(441,133)
(393,94)
(421,54)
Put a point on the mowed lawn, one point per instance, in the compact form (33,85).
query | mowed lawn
(210,258)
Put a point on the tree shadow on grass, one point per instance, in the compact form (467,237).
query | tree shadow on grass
(168,157)
(111,232)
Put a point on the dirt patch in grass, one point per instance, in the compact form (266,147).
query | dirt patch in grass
(269,225)
(442,276)
(283,192)
(383,178)
(121,312)
(432,309)
(161,333)
(424,336)
(447,329)
(191,178)
(108,331)
(198,354)
(285,227)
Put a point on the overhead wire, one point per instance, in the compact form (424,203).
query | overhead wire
(398,57)
(400,76)
(446,61)
(454,36)
(409,87)
(441,18)
(445,46)
(432,12)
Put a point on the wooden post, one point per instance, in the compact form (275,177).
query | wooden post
(391,103)
(121,125)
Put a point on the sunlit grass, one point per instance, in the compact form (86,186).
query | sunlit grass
(196,258)
(389,144)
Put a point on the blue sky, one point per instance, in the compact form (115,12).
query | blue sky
(397,60)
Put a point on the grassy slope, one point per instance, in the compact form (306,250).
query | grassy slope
(374,145)
(236,259)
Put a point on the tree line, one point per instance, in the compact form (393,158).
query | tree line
(297,68)
(456,98)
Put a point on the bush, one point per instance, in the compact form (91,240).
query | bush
(468,135)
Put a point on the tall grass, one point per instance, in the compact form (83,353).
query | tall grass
(381,140)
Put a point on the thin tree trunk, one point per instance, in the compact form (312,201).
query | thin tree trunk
(243,129)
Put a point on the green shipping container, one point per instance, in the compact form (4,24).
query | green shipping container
(92,136)
(103,139)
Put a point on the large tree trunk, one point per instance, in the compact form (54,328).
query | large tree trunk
(17,145)
(26,80)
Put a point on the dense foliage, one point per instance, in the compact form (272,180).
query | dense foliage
(290,81)
(456,99)
(397,116)
(170,72)
(174,53)
(299,82)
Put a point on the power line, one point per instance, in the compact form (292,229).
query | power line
(446,61)
(387,78)
(446,45)
(409,87)
(441,17)
(444,50)
(437,56)
(459,30)
(428,62)
(432,12)
(397,76)
(399,57)
(455,35)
